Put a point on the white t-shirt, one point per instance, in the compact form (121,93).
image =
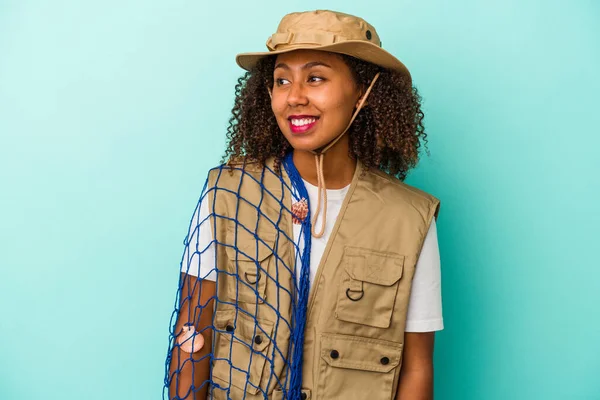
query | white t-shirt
(425,304)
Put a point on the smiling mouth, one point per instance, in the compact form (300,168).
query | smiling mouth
(302,125)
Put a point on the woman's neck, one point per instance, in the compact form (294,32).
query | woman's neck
(338,167)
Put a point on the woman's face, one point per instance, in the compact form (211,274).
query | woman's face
(313,97)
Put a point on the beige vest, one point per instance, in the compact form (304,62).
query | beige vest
(357,304)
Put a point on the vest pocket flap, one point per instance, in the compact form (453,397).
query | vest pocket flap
(361,353)
(246,330)
(248,247)
(381,268)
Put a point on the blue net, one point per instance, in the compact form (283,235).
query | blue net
(236,331)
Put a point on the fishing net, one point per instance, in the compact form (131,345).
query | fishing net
(242,336)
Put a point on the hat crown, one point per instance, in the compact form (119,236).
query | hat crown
(330,31)
(321,28)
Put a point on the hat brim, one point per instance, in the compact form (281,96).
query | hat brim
(356,48)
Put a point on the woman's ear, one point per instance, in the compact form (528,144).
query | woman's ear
(363,89)
(359,100)
(358,103)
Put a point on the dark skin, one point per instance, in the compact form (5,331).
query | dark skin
(318,84)
(416,375)
(330,92)
(193,369)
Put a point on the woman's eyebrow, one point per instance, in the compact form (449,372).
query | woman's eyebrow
(305,66)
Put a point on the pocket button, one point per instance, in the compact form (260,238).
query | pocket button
(385,360)
(334,354)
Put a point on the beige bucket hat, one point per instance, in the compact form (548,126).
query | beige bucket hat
(335,32)
(329,31)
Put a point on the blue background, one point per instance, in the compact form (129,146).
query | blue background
(111,112)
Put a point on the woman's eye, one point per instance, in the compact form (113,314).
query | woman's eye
(283,81)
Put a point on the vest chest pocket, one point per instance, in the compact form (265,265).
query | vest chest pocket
(248,265)
(241,349)
(355,367)
(368,286)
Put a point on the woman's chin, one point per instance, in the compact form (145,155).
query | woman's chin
(305,143)
(304,146)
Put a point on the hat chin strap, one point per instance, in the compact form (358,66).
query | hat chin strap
(320,155)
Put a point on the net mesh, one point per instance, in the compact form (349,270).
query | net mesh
(253,345)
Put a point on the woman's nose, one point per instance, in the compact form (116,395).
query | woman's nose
(297,95)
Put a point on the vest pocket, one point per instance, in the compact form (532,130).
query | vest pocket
(241,350)
(368,286)
(248,265)
(356,367)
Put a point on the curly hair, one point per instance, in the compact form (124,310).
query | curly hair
(386,133)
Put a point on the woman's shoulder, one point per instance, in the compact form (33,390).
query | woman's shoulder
(242,164)
(401,186)
(427,204)
(238,169)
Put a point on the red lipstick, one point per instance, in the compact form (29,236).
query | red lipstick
(304,128)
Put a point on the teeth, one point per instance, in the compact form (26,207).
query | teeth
(302,121)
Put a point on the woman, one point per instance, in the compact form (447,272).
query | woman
(311,270)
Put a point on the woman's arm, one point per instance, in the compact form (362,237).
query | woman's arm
(183,372)
(416,375)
